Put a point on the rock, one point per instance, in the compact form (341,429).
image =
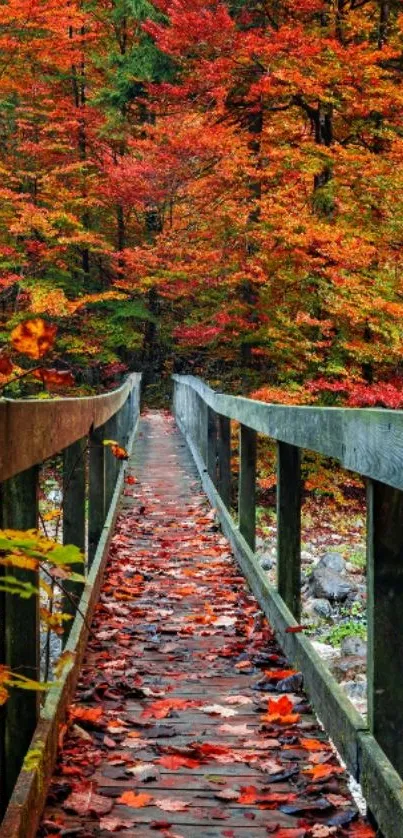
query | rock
(324,650)
(354,646)
(355,689)
(291,684)
(322,608)
(266,563)
(349,667)
(328,584)
(332,561)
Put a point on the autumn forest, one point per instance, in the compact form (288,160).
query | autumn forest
(209,187)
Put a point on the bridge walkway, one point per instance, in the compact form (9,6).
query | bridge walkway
(179,725)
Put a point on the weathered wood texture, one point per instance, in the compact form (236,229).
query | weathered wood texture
(382,785)
(19,618)
(247,485)
(31,431)
(19,511)
(212,444)
(74,517)
(385,618)
(28,798)
(224,459)
(368,441)
(289,526)
(97,503)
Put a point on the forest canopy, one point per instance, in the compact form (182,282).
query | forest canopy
(208,187)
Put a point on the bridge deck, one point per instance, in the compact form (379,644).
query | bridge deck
(166,734)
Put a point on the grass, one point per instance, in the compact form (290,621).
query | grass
(337,634)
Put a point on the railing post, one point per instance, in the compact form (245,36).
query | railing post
(74,492)
(247,485)
(111,463)
(289,526)
(212,444)
(96,490)
(224,459)
(203,428)
(19,511)
(385,618)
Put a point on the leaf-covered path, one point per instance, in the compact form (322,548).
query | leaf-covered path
(187,720)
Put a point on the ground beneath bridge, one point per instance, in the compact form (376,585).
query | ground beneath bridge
(188,721)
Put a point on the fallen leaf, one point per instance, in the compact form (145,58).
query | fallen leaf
(134,800)
(87,802)
(319,772)
(219,710)
(162,708)
(113,824)
(85,714)
(175,761)
(170,805)
(313,745)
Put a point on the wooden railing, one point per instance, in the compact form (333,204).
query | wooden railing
(30,432)
(366,441)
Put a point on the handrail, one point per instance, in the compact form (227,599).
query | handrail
(367,441)
(33,430)
(30,432)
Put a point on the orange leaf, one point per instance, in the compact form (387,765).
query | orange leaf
(249,795)
(319,772)
(313,745)
(86,714)
(119,452)
(55,378)
(160,709)
(279,674)
(174,761)
(296,629)
(33,337)
(136,801)
(283,705)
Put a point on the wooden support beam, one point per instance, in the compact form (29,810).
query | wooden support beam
(247,485)
(111,463)
(212,445)
(19,511)
(289,526)
(224,459)
(74,496)
(385,618)
(96,490)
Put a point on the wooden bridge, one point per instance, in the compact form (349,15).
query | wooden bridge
(173,734)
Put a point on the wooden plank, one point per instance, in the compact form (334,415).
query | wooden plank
(74,498)
(289,526)
(96,490)
(19,511)
(29,795)
(382,787)
(224,459)
(368,441)
(212,444)
(385,618)
(336,712)
(33,430)
(110,432)
(247,485)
